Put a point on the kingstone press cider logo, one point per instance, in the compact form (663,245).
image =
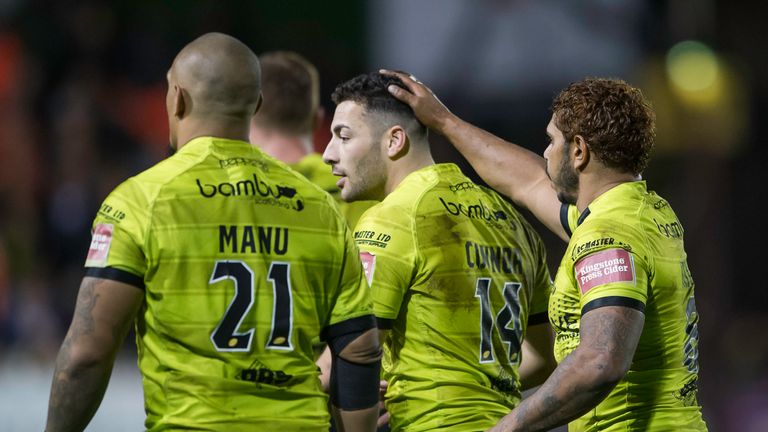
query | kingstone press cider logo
(100,242)
(607,266)
(263,192)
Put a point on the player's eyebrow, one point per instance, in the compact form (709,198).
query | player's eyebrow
(336,129)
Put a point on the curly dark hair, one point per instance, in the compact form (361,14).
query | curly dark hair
(370,91)
(613,118)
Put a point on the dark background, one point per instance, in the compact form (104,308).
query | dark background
(82,86)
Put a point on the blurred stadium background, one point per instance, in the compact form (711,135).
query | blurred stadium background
(82,87)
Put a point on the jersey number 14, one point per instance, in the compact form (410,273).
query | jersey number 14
(507,320)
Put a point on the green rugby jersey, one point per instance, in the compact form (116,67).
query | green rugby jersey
(244,262)
(315,170)
(626,249)
(457,275)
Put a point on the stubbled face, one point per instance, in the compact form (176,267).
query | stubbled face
(560,170)
(355,153)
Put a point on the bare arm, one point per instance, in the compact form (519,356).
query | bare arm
(609,336)
(538,360)
(324,364)
(510,169)
(103,315)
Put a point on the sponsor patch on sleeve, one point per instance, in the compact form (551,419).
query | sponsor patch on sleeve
(100,242)
(369,264)
(607,266)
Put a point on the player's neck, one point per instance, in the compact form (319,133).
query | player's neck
(287,148)
(227,128)
(594,184)
(399,169)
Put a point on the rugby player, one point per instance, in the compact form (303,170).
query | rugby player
(458,277)
(623,305)
(230,265)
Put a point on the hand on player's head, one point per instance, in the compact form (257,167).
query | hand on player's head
(427,107)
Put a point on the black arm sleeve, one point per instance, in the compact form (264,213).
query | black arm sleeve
(353,385)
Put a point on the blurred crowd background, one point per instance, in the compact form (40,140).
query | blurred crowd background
(82,88)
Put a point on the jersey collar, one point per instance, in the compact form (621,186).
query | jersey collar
(606,198)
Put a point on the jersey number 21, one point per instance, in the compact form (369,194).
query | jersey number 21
(226,336)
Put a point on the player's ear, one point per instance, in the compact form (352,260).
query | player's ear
(580,153)
(397,142)
(258,104)
(179,104)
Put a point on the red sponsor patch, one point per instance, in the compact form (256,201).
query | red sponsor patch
(99,250)
(607,266)
(369,264)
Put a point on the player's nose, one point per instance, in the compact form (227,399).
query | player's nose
(330,156)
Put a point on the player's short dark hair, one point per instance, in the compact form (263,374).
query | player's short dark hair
(370,91)
(613,118)
(290,86)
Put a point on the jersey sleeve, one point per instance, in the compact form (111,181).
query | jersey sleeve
(610,268)
(353,300)
(569,218)
(387,250)
(117,249)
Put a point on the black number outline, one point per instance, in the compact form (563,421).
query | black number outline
(282,296)
(242,302)
(691,344)
(482,288)
(225,332)
(510,313)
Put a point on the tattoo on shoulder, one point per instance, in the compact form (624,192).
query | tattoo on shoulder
(611,327)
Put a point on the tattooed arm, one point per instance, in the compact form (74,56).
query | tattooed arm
(103,315)
(609,336)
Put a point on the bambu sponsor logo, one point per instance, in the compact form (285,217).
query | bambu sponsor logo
(670,230)
(473,210)
(264,192)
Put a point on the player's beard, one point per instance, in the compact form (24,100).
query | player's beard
(369,178)
(566,179)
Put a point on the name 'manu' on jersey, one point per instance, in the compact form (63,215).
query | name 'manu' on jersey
(243,262)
